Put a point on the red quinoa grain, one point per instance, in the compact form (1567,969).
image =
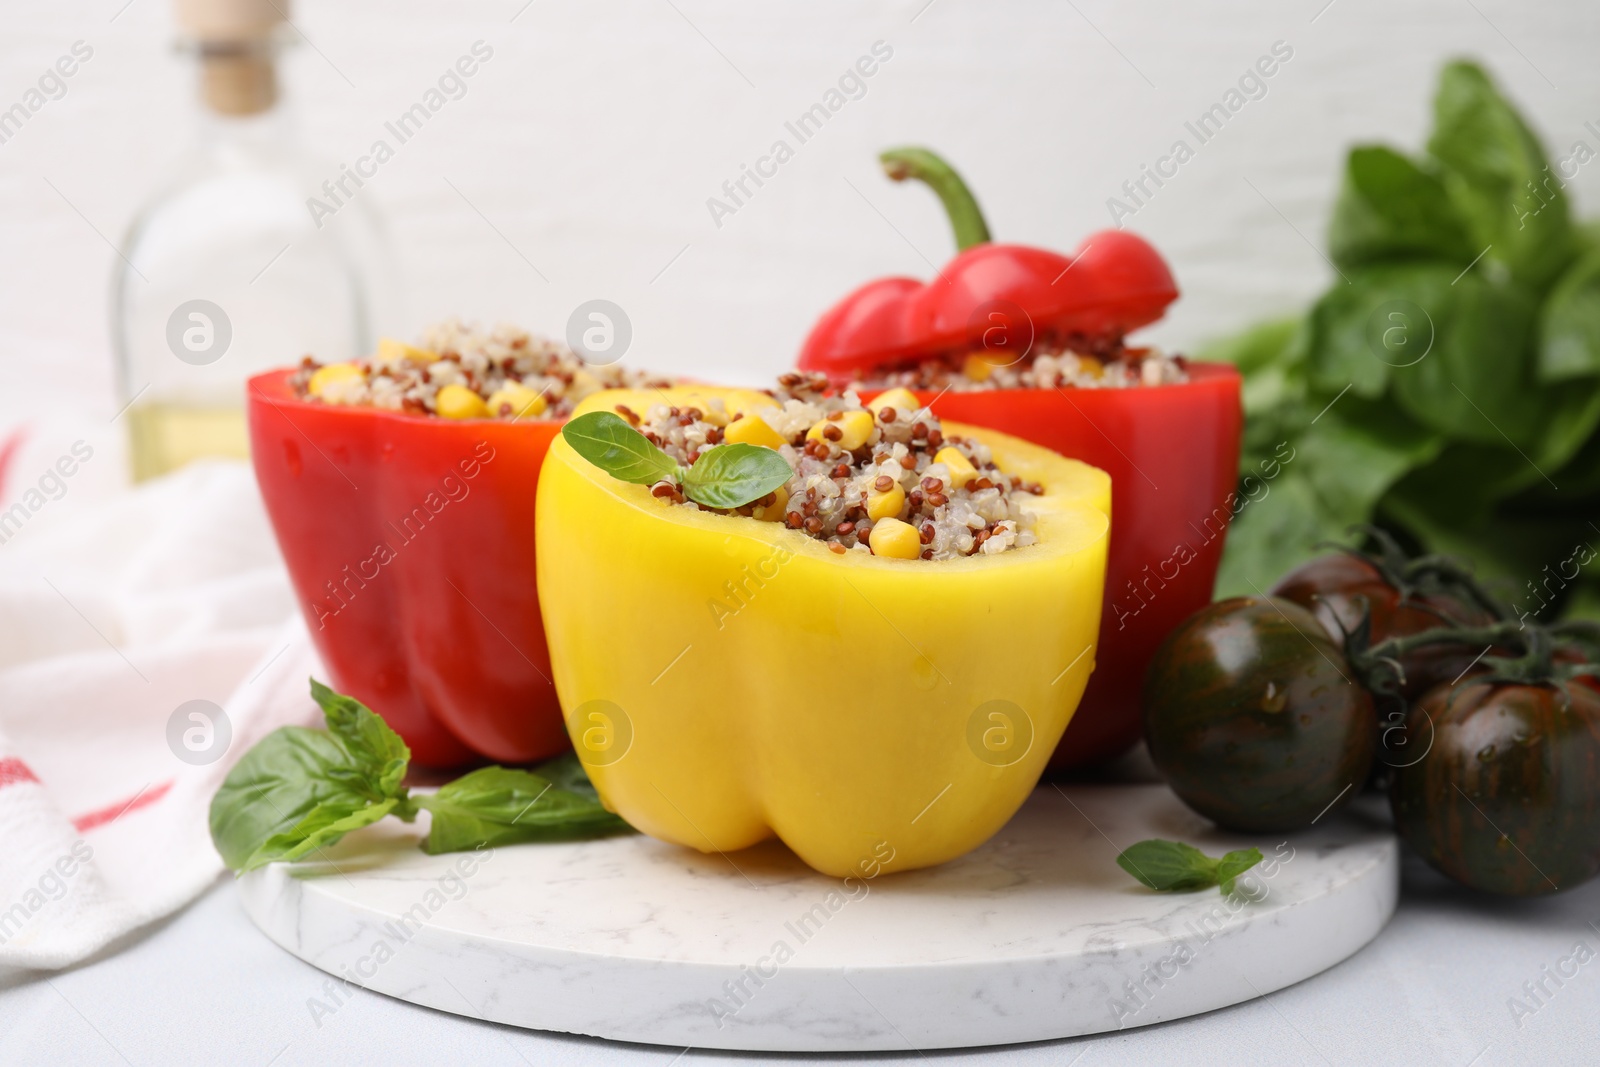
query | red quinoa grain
(830,490)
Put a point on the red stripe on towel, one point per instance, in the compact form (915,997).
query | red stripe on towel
(13,770)
(8,452)
(142,799)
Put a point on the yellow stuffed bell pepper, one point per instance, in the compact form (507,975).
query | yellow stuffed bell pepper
(726,679)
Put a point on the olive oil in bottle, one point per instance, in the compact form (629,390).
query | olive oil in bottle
(226,272)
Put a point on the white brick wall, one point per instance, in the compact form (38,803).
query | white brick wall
(598,131)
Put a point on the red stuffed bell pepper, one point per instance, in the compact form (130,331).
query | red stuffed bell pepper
(401,491)
(1030,342)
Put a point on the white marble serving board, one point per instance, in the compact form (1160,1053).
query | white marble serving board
(1036,935)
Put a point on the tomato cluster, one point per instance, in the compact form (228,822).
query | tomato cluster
(1266,713)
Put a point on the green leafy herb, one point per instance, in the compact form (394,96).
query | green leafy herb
(275,787)
(1569,333)
(300,790)
(1498,175)
(1448,381)
(606,440)
(567,773)
(1476,384)
(725,476)
(1391,208)
(1174,867)
(730,476)
(1233,864)
(378,750)
(498,806)
(323,826)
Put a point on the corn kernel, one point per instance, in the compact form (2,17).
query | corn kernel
(895,539)
(977,367)
(525,403)
(392,351)
(902,400)
(323,377)
(961,469)
(716,412)
(854,426)
(886,505)
(773,512)
(583,383)
(459,402)
(752,430)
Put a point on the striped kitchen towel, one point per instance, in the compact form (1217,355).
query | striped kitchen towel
(143,647)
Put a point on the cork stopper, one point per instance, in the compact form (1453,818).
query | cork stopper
(238,83)
(234,39)
(236,21)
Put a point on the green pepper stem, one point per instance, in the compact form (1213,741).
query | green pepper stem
(966,218)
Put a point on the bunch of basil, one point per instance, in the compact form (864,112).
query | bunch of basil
(1447,385)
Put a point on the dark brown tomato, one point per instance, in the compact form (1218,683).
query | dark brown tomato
(1571,656)
(1505,800)
(1253,714)
(1334,587)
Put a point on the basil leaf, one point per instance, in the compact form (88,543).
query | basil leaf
(283,778)
(1389,208)
(1340,468)
(1476,384)
(1569,327)
(1235,863)
(1505,542)
(566,772)
(1464,479)
(1355,452)
(1579,482)
(1368,332)
(1172,866)
(300,785)
(1268,539)
(1496,171)
(1585,601)
(373,747)
(1168,866)
(731,476)
(1262,346)
(1455,349)
(500,806)
(606,440)
(323,825)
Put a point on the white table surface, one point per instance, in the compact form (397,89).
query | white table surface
(207,988)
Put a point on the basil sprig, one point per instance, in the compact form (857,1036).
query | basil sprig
(299,790)
(1172,866)
(725,476)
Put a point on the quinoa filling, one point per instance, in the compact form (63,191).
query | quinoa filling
(1078,363)
(460,371)
(885,480)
